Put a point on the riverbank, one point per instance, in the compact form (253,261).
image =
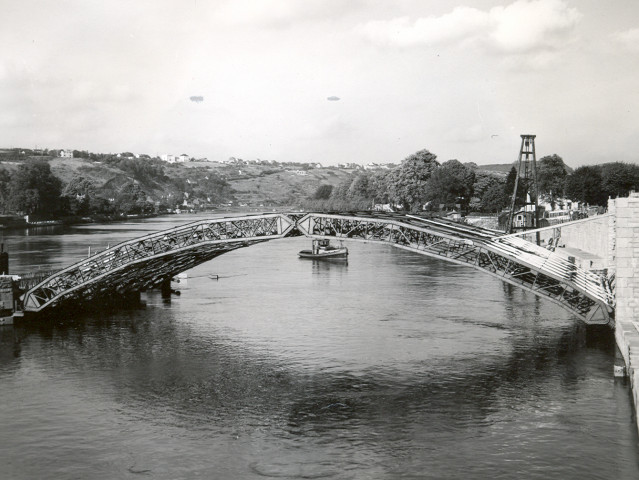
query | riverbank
(14,223)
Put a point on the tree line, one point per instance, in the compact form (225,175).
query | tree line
(420,183)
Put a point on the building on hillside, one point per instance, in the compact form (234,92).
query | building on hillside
(383,207)
(349,165)
(168,158)
(376,166)
(66,153)
(183,158)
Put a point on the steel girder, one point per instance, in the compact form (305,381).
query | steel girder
(544,273)
(147,261)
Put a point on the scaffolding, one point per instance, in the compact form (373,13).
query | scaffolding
(527,162)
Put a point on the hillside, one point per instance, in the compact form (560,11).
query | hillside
(136,182)
(246,184)
(504,168)
(498,168)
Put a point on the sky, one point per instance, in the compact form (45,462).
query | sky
(327,81)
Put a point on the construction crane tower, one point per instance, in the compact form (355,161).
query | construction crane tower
(528,217)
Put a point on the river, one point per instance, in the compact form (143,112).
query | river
(394,365)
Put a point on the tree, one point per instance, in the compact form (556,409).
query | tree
(359,187)
(34,189)
(551,176)
(379,185)
(483,180)
(509,187)
(79,185)
(408,182)
(617,179)
(323,192)
(493,199)
(451,184)
(585,185)
(5,180)
(77,194)
(132,199)
(101,206)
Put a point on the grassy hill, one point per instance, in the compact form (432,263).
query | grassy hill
(498,168)
(249,184)
(504,168)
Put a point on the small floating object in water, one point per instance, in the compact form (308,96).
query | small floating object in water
(322,249)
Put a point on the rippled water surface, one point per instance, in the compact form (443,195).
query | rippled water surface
(391,366)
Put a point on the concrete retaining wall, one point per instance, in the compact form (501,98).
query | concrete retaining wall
(592,237)
(587,242)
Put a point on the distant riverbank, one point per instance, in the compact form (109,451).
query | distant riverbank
(14,222)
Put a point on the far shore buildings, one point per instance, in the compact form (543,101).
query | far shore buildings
(66,153)
(377,166)
(175,158)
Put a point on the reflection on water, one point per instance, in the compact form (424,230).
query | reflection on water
(390,366)
(328,267)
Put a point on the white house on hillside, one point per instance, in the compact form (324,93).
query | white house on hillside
(175,159)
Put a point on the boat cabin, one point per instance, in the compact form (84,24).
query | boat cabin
(320,244)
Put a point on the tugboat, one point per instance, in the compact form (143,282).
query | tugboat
(322,249)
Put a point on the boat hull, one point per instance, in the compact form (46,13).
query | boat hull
(337,254)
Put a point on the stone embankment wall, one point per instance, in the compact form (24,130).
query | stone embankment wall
(587,242)
(592,237)
(624,262)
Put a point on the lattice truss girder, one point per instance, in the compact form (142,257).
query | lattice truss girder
(514,261)
(147,261)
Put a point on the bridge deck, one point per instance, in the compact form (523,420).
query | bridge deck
(148,261)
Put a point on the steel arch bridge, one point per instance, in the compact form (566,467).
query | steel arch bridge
(149,261)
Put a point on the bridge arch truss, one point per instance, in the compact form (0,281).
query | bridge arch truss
(146,262)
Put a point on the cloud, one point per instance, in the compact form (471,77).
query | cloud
(197,98)
(519,28)
(462,22)
(523,26)
(629,39)
(332,98)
